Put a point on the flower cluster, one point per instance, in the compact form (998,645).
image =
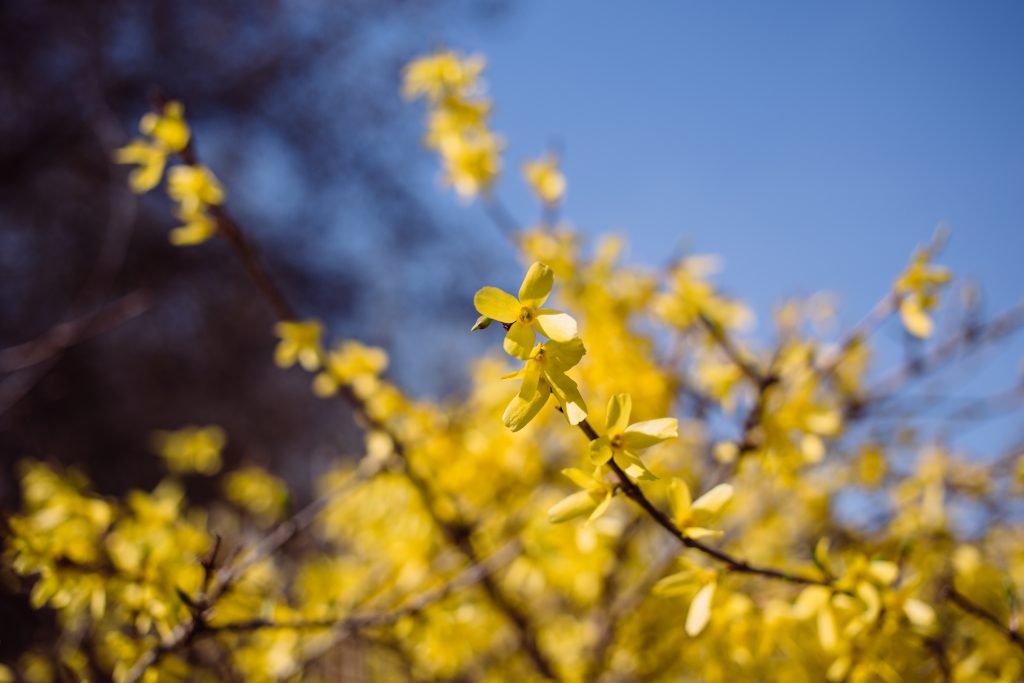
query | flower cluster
(192,186)
(457,127)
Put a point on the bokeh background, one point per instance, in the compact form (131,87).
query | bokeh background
(812,145)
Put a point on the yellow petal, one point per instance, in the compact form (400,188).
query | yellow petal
(600,451)
(564,355)
(519,340)
(700,532)
(557,326)
(676,584)
(601,508)
(700,610)
(914,318)
(712,502)
(679,501)
(536,285)
(650,432)
(579,477)
(531,379)
(578,504)
(568,395)
(919,613)
(520,411)
(827,628)
(619,408)
(496,304)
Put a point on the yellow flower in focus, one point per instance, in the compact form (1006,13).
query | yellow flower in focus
(354,364)
(623,439)
(440,74)
(151,160)
(300,341)
(525,313)
(593,500)
(168,128)
(918,289)
(194,187)
(545,178)
(198,227)
(692,516)
(543,375)
(258,492)
(191,449)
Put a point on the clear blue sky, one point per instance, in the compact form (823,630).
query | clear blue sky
(811,145)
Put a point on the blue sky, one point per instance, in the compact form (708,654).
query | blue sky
(812,145)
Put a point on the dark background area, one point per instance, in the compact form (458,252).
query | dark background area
(295,106)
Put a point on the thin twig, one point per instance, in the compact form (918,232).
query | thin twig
(964,603)
(733,564)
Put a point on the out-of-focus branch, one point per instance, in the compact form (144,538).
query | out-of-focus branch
(68,334)
(472,575)
(457,533)
(964,603)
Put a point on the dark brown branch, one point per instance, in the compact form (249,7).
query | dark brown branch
(964,603)
(636,494)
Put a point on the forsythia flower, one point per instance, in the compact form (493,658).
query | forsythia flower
(255,490)
(191,449)
(300,341)
(692,577)
(168,134)
(471,162)
(593,500)
(691,516)
(545,179)
(543,375)
(198,227)
(440,74)
(194,187)
(524,314)
(623,439)
(918,288)
(168,128)
(150,159)
(354,364)
(456,119)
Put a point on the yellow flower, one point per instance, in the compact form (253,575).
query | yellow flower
(198,227)
(191,449)
(151,160)
(300,341)
(918,287)
(471,162)
(168,128)
(255,490)
(194,187)
(351,363)
(167,133)
(543,375)
(525,313)
(545,179)
(593,500)
(624,439)
(454,118)
(440,74)
(691,516)
(684,582)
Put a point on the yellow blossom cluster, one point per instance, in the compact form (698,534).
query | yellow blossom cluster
(697,527)
(192,185)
